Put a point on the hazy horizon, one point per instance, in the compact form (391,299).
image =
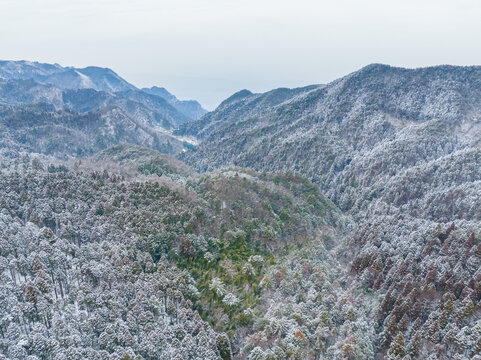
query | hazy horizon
(207,50)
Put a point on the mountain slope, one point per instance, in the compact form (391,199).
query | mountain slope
(190,108)
(327,131)
(157,104)
(149,108)
(26,69)
(43,129)
(240,106)
(399,151)
(101,80)
(141,113)
(92,77)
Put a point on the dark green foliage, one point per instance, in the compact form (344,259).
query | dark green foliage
(223,346)
(154,167)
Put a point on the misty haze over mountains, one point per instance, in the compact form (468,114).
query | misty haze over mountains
(334,221)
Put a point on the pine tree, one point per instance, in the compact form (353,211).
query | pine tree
(396,349)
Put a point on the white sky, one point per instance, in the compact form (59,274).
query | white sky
(208,49)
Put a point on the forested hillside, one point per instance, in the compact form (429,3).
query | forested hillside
(399,151)
(118,256)
(42,129)
(337,221)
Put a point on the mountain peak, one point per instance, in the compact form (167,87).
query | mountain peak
(190,108)
(98,78)
(237,96)
(162,92)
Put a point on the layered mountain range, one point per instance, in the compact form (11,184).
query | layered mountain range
(336,221)
(123,112)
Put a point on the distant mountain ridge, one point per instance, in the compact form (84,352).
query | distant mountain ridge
(190,108)
(94,93)
(26,69)
(151,109)
(91,77)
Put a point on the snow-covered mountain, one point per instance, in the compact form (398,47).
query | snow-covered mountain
(40,128)
(398,150)
(336,221)
(190,108)
(88,92)
(27,69)
(92,77)
(101,80)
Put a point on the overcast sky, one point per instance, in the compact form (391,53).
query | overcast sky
(208,49)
